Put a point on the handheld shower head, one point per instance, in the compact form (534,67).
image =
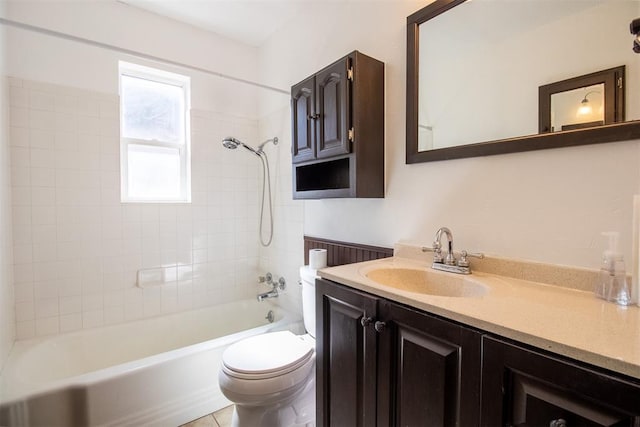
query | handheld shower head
(232,143)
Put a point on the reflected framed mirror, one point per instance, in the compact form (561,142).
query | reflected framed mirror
(582,102)
(474,69)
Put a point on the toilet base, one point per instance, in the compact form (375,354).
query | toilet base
(296,412)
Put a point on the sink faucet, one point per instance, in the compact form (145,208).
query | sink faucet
(273,293)
(449,262)
(450,259)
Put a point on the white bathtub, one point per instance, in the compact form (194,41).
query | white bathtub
(160,371)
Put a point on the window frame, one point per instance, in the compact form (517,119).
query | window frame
(184,149)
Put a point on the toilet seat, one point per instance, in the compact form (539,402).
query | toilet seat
(266,356)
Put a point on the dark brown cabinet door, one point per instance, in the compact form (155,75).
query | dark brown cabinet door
(524,388)
(430,368)
(380,363)
(345,356)
(333,108)
(303,120)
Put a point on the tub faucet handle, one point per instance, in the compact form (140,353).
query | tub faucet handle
(267,278)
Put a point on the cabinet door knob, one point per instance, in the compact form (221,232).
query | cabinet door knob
(366,321)
(558,423)
(380,326)
(313,116)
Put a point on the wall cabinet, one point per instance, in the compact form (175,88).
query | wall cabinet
(382,363)
(338,130)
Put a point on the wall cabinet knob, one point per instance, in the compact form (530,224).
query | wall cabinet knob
(366,321)
(558,423)
(380,326)
(313,116)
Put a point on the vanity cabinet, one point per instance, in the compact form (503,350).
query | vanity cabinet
(524,387)
(381,363)
(338,130)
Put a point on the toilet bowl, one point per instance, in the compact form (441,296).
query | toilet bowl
(271,377)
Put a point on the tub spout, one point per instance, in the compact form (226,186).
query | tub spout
(281,284)
(273,293)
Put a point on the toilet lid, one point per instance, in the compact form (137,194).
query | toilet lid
(267,355)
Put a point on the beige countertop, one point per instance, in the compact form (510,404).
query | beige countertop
(565,321)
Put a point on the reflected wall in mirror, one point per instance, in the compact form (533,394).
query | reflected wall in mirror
(594,99)
(474,69)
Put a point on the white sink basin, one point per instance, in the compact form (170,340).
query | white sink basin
(428,282)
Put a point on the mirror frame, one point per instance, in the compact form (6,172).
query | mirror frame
(596,135)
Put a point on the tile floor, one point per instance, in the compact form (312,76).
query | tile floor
(221,418)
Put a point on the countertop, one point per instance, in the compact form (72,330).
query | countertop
(568,322)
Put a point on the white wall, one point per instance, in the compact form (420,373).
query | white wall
(127,27)
(7,322)
(548,205)
(77,247)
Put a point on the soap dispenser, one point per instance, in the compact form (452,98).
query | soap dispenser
(612,283)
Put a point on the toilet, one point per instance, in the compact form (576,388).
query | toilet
(271,377)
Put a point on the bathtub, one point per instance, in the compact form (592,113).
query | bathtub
(160,371)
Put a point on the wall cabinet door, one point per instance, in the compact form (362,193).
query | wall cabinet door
(333,104)
(303,111)
(345,356)
(522,387)
(321,113)
(430,368)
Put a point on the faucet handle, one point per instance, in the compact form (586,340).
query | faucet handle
(267,278)
(437,252)
(464,258)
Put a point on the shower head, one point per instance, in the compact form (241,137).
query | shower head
(232,143)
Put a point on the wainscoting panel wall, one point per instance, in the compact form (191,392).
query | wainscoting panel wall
(339,253)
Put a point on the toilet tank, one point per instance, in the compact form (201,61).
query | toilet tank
(308,279)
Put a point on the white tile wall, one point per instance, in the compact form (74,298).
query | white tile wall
(78,248)
(7,309)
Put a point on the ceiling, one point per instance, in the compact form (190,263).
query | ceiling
(247,21)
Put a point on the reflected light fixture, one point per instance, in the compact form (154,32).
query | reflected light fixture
(585,108)
(635,30)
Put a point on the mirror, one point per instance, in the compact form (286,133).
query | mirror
(474,69)
(582,102)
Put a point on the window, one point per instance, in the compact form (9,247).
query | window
(154,135)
